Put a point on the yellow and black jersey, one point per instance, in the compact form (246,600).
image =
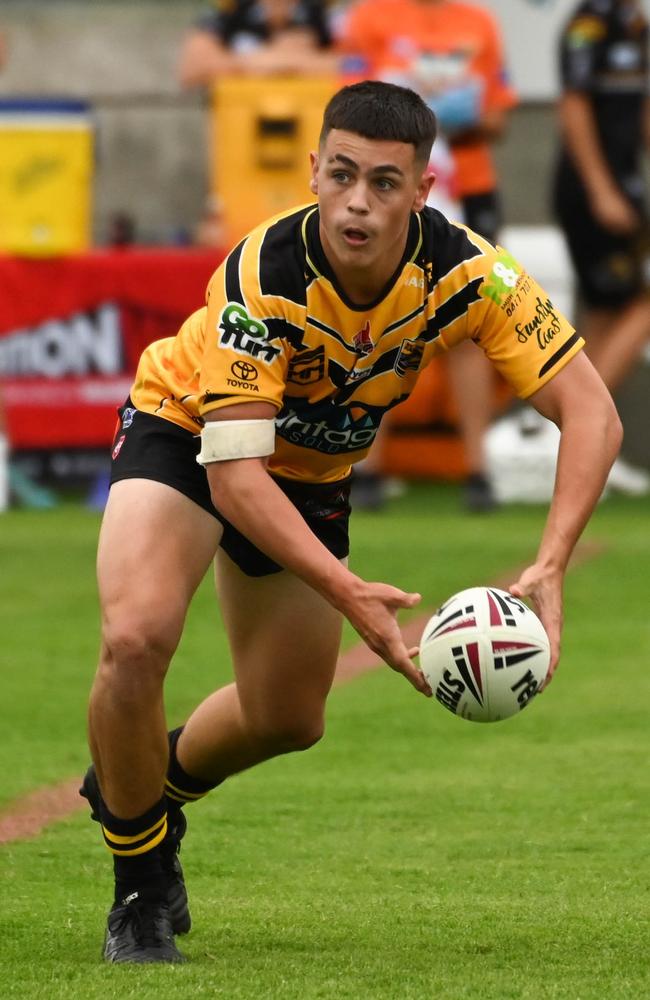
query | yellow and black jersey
(278,327)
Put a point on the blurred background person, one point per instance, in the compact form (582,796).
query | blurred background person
(257,37)
(451,53)
(604,115)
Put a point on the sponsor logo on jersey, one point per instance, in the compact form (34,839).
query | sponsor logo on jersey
(362,340)
(128,415)
(319,435)
(118,447)
(245,374)
(244,333)
(244,370)
(503,278)
(307,367)
(544,325)
(409,356)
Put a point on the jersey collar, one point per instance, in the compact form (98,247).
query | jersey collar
(321,268)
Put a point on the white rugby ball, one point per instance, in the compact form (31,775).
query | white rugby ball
(485,654)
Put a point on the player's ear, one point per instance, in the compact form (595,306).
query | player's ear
(424,187)
(313,183)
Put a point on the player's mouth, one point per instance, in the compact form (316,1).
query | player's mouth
(355,237)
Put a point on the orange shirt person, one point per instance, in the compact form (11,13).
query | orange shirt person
(451,54)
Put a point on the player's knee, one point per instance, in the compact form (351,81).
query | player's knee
(134,653)
(290,735)
(302,737)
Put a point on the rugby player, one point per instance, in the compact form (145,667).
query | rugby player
(237,443)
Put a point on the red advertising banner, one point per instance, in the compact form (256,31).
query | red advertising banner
(72,330)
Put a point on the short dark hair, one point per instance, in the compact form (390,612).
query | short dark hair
(378,110)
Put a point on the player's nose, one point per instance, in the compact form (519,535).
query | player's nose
(358,201)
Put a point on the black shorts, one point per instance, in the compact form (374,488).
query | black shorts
(149,447)
(610,268)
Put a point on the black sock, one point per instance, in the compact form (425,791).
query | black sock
(181,787)
(134,844)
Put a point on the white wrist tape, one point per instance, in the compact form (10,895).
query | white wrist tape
(222,440)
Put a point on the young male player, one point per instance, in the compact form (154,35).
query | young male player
(237,441)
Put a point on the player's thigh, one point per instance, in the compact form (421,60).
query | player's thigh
(285,640)
(155,546)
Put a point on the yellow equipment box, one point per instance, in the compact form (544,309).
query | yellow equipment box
(262,133)
(46,168)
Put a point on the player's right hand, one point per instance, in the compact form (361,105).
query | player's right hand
(615,213)
(372,610)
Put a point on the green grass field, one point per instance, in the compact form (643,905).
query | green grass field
(411,854)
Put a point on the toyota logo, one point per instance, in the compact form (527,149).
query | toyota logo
(244,370)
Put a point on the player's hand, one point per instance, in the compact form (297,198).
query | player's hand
(615,213)
(544,588)
(372,610)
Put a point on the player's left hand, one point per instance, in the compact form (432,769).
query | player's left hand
(544,588)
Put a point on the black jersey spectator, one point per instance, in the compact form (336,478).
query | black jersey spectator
(599,191)
(257,37)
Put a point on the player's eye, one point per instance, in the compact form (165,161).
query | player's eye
(384,184)
(341,176)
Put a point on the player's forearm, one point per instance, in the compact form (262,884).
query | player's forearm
(583,144)
(589,443)
(247,497)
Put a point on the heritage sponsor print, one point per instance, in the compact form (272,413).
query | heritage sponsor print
(319,435)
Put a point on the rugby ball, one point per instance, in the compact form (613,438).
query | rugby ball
(485,654)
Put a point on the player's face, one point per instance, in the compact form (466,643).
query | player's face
(366,189)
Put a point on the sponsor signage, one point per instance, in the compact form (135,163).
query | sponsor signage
(72,330)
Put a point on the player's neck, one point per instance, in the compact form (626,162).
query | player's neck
(364,283)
